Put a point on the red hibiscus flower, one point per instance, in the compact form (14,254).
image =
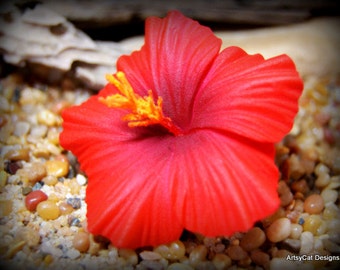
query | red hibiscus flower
(182,136)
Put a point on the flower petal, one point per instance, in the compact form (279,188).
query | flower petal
(128,199)
(175,58)
(248,95)
(224,183)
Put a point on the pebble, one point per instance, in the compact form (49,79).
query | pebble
(314,204)
(48,210)
(81,179)
(312,224)
(198,255)
(57,168)
(46,117)
(307,243)
(321,169)
(6,207)
(179,266)
(150,255)
(221,261)
(50,180)
(300,186)
(259,257)
(29,235)
(21,128)
(236,253)
(81,241)
(18,154)
(38,131)
(295,231)
(329,196)
(322,180)
(65,208)
(279,230)
(34,198)
(129,255)
(253,239)
(33,173)
(172,251)
(285,194)
(74,202)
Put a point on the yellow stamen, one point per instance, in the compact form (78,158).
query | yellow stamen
(144,111)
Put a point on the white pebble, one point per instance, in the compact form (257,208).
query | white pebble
(307,243)
(329,195)
(81,179)
(21,128)
(73,254)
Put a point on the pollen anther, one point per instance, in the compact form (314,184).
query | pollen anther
(143,110)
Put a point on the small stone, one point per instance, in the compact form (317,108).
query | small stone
(34,198)
(18,154)
(150,255)
(81,241)
(6,207)
(312,224)
(33,173)
(198,255)
(307,243)
(329,196)
(57,168)
(74,202)
(81,179)
(65,208)
(253,239)
(236,253)
(259,257)
(314,204)
(295,231)
(221,261)
(47,118)
(12,167)
(48,210)
(129,255)
(279,230)
(172,251)
(21,128)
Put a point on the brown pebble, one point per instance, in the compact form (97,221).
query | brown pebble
(198,255)
(81,241)
(300,186)
(279,230)
(32,174)
(34,198)
(253,239)
(65,208)
(236,253)
(18,154)
(259,257)
(314,204)
(285,195)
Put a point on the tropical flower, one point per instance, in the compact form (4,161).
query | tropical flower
(182,137)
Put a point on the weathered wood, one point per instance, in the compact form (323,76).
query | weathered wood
(263,12)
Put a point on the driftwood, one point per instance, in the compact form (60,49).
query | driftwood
(42,37)
(256,12)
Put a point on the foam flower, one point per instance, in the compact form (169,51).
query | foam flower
(182,137)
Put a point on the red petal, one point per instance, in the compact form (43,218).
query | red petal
(248,95)
(128,199)
(177,55)
(224,183)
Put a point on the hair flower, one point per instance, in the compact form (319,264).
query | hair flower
(182,137)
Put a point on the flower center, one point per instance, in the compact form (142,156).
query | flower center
(143,110)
